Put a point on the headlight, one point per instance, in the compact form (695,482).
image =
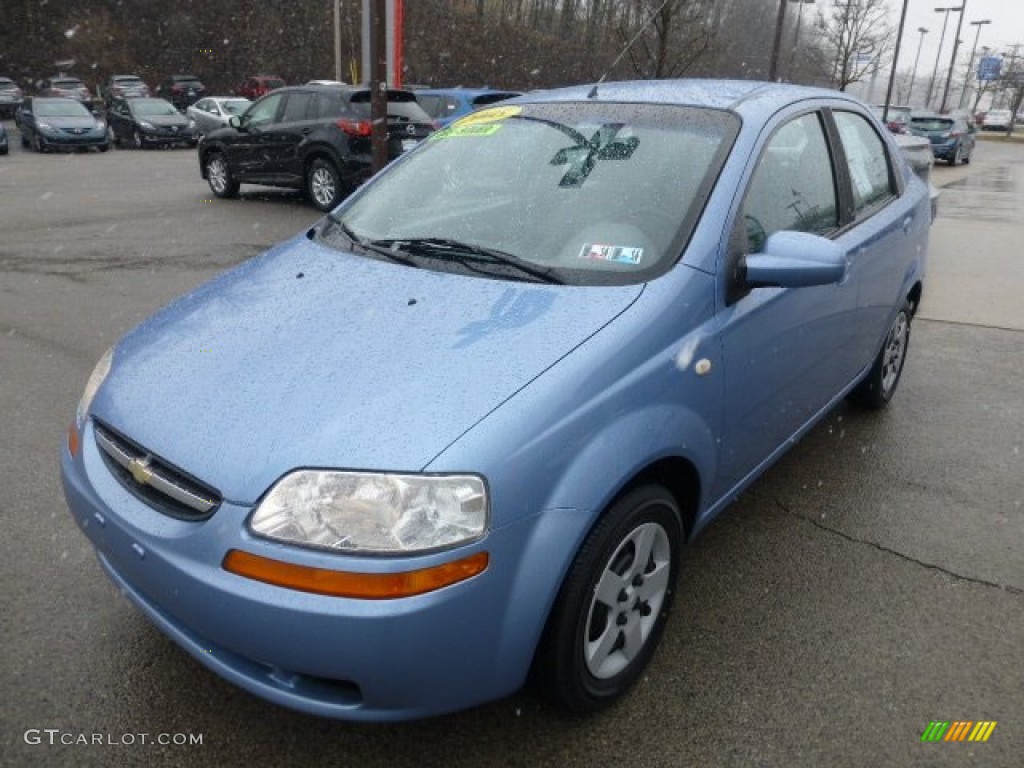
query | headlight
(143,124)
(42,126)
(371,513)
(99,373)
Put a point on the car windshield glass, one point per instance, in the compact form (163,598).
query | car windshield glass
(932,124)
(7,86)
(591,193)
(61,108)
(67,84)
(235,106)
(274,83)
(127,81)
(153,107)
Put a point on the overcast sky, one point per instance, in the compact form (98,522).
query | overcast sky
(1006,29)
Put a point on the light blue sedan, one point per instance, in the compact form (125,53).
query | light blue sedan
(459,432)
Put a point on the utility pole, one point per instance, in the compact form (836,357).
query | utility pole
(379,84)
(913,76)
(952,60)
(773,67)
(974,50)
(337,39)
(938,54)
(895,61)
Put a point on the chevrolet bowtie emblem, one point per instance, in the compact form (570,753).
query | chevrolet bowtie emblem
(140,470)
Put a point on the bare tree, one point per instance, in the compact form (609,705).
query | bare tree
(858,33)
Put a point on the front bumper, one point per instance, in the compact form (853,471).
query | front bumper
(59,138)
(352,659)
(164,136)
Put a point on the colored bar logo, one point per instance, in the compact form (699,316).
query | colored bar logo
(958,730)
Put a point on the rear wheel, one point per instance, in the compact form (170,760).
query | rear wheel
(614,603)
(323,184)
(878,387)
(218,175)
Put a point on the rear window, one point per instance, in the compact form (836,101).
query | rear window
(274,82)
(932,123)
(491,98)
(128,80)
(401,104)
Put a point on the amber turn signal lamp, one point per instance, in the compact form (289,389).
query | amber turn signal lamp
(73,439)
(365,586)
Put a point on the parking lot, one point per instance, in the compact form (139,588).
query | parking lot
(871,582)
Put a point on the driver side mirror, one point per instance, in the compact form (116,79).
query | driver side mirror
(237,122)
(794,260)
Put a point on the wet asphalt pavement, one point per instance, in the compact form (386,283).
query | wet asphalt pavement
(871,582)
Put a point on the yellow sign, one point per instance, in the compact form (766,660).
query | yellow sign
(492,115)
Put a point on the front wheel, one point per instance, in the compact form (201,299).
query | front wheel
(323,185)
(614,603)
(137,140)
(878,387)
(218,175)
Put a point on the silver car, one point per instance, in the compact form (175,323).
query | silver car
(213,112)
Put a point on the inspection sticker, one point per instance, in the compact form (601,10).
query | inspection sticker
(492,115)
(617,253)
(465,130)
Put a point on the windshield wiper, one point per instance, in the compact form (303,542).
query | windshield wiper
(373,246)
(465,253)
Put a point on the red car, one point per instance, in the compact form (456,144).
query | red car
(256,86)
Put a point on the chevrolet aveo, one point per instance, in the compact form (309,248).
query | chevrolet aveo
(456,435)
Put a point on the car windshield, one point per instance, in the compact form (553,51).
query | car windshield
(67,84)
(127,81)
(273,82)
(7,85)
(60,108)
(585,193)
(235,106)
(153,107)
(932,123)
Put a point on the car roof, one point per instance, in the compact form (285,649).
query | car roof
(460,91)
(749,98)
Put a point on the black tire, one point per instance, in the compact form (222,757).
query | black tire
(137,140)
(3,150)
(218,176)
(614,597)
(878,387)
(323,185)
(104,147)
(37,143)
(955,160)
(24,138)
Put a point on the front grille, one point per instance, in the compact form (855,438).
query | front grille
(154,481)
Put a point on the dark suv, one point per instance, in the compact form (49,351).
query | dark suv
(314,138)
(181,90)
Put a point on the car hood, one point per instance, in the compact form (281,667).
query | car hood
(310,357)
(83,121)
(163,121)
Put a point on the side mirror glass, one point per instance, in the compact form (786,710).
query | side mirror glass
(236,122)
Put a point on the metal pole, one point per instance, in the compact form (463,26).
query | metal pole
(337,39)
(379,84)
(938,54)
(952,60)
(913,77)
(773,67)
(970,67)
(895,61)
(796,35)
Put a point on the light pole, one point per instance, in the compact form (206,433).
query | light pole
(942,37)
(913,77)
(895,61)
(952,59)
(974,50)
(796,35)
(773,65)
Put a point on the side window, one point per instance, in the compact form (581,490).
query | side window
(264,111)
(295,108)
(868,160)
(325,105)
(793,187)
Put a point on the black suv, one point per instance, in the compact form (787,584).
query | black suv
(314,138)
(181,90)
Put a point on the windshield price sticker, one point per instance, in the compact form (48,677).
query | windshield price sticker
(466,130)
(492,115)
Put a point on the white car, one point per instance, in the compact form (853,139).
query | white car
(213,112)
(996,120)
